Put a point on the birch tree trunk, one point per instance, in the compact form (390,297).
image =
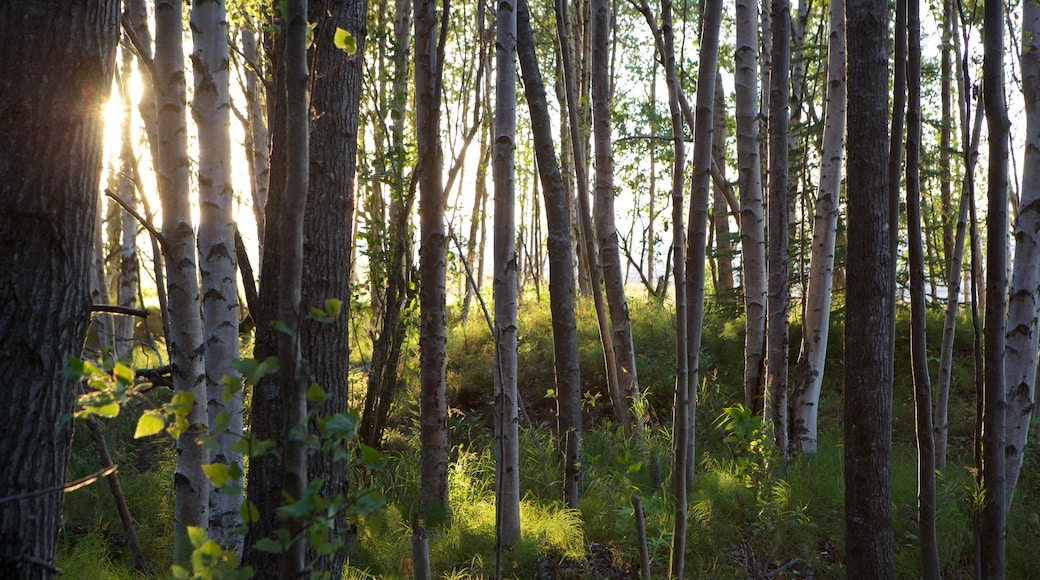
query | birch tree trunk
(1024,294)
(867,409)
(433,411)
(561,270)
(752,221)
(588,240)
(216,242)
(697,224)
(507,465)
(993,531)
(918,329)
(129,277)
(260,174)
(805,401)
(606,229)
(775,413)
(51,144)
(719,207)
(187,349)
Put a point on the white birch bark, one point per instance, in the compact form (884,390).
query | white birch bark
(216,243)
(805,401)
(187,350)
(752,219)
(1024,295)
(507,467)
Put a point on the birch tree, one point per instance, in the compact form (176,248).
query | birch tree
(507,465)
(777,303)
(606,228)
(50,157)
(1024,294)
(749,183)
(433,411)
(926,499)
(561,269)
(808,376)
(216,243)
(187,347)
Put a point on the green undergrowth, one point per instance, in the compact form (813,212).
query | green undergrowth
(748,515)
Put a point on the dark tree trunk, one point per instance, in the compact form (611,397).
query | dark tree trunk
(50,158)
(870,552)
(994,517)
(561,271)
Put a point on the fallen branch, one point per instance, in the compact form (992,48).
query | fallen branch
(71,486)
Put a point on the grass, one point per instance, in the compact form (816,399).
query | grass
(744,520)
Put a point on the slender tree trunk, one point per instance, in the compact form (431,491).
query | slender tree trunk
(946,140)
(561,270)
(918,350)
(433,416)
(187,349)
(606,229)
(129,277)
(775,413)
(867,409)
(588,245)
(994,442)
(507,465)
(805,401)
(260,175)
(752,221)
(720,209)
(697,224)
(293,374)
(942,390)
(1024,295)
(216,242)
(51,140)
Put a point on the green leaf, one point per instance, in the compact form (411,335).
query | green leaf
(179,572)
(250,513)
(270,546)
(221,423)
(316,394)
(280,326)
(333,306)
(345,41)
(124,376)
(367,503)
(108,410)
(232,386)
(370,456)
(217,473)
(196,535)
(342,424)
(149,424)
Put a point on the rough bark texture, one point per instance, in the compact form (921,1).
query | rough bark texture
(1024,295)
(561,269)
(433,411)
(805,399)
(777,305)
(752,220)
(216,242)
(50,161)
(187,350)
(993,532)
(867,409)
